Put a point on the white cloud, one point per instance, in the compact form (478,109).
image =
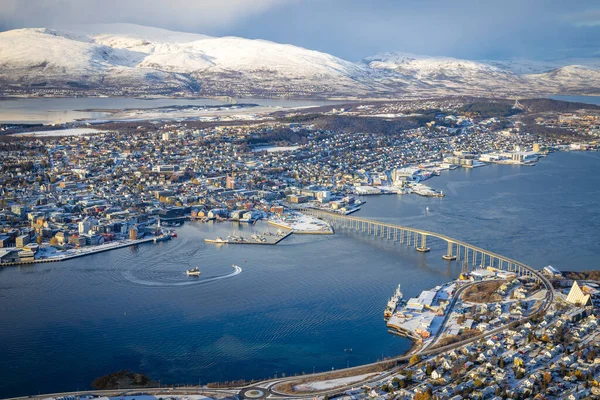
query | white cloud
(187,15)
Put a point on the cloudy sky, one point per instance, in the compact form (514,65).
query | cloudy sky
(352,29)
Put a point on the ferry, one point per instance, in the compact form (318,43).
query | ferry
(392,304)
(193,272)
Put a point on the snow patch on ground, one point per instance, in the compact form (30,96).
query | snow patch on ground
(62,132)
(331,383)
(301,223)
(150,397)
(273,149)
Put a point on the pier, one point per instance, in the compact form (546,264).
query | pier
(82,252)
(472,257)
(268,239)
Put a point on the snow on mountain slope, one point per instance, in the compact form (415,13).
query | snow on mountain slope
(43,48)
(48,58)
(445,75)
(527,67)
(229,65)
(426,67)
(237,54)
(127,35)
(133,59)
(579,78)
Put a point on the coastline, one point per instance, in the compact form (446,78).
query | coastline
(331,231)
(81,253)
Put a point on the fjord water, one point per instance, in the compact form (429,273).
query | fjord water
(578,99)
(295,306)
(64,110)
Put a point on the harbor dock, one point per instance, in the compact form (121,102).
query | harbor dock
(63,256)
(267,239)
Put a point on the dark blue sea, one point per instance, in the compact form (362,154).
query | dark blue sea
(294,307)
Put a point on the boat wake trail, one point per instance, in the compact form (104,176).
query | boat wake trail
(189,282)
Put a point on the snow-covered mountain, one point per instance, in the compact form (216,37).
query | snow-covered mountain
(527,67)
(570,79)
(132,59)
(444,73)
(425,67)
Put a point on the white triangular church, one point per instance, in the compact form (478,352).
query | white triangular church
(576,296)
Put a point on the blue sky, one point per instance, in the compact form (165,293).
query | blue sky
(484,29)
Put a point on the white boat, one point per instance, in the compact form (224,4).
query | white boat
(218,240)
(193,272)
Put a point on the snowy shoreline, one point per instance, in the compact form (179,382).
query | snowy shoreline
(74,253)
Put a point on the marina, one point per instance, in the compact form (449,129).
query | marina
(267,238)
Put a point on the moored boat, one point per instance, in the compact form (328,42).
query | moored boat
(162,238)
(218,240)
(392,304)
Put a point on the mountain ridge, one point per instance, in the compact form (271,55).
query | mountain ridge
(121,59)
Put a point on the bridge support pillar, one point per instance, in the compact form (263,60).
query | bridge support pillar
(449,256)
(423,248)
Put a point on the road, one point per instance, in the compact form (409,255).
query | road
(448,312)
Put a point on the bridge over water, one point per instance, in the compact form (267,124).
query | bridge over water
(471,256)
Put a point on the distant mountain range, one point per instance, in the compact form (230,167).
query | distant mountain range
(125,59)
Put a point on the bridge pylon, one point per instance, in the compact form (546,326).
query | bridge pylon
(449,256)
(423,247)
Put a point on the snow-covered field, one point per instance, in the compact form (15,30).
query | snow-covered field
(301,223)
(389,115)
(273,149)
(150,397)
(62,132)
(330,384)
(258,113)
